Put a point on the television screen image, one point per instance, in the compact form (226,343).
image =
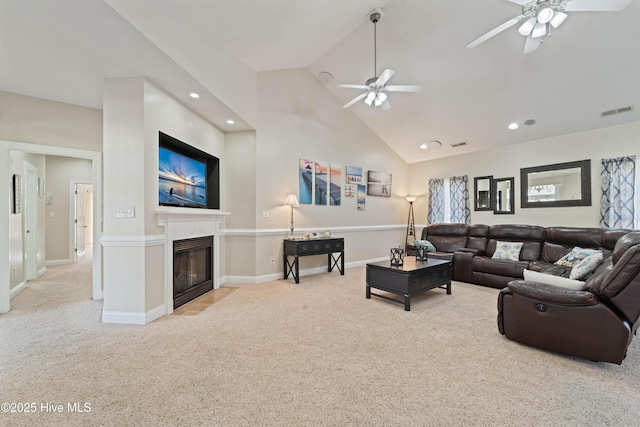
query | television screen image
(181,180)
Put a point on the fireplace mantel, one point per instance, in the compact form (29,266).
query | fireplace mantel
(183,223)
(166,215)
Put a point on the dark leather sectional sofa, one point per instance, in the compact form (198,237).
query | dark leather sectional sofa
(597,323)
(470,247)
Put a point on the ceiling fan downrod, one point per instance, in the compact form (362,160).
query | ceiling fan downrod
(374,17)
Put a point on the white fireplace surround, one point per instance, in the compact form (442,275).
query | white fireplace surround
(186,223)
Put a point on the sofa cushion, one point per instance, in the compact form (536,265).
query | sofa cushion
(477,238)
(549,279)
(429,246)
(575,236)
(507,250)
(582,268)
(499,267)
(549,268)
(446,237)
(531,235)
(576,255)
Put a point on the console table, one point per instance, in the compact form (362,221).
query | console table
(317,246)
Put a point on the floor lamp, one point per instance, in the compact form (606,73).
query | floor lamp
(292,200)
(410,223)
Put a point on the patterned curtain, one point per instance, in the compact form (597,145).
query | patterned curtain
(617,182)
(436,201)
(459,191)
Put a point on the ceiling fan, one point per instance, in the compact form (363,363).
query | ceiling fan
(375,88)
(540,15)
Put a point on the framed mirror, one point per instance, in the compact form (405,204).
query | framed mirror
(482,193)
(503,196)
(557,185)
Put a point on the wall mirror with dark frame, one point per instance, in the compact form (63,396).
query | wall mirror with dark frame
(482,192)
(557,185)
(503,195)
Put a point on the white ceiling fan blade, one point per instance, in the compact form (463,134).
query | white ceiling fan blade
(385,105)
(596,5)
(532,44)
(363,87)
(385,76)
(520,2)
(403,88)
(486,36)
(354,100)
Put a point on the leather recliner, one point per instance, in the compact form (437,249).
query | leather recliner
(596,324)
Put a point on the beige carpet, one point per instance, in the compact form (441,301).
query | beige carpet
(317,353)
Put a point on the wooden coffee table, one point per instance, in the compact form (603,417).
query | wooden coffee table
(408,279)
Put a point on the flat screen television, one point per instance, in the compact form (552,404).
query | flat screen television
(187,177)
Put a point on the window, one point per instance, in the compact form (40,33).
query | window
(449,200)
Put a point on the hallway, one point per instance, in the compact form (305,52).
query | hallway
(60,288)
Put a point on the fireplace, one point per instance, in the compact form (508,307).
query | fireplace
(192,268)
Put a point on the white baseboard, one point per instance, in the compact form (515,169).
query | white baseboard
(155,313)
(278,276)
(17,289)
(129,318)
(51,262)
(41,271)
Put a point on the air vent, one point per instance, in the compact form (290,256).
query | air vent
(616,111)
(459,144)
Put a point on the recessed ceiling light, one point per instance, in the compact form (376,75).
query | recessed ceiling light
(230,122)
(530,122)
(325,77)
(194,95)
(514,126)
(432,143)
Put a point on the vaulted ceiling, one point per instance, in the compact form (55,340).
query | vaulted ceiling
(62,50)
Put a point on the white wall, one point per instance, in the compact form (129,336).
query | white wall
(504,162)
(135,111)
(40,121)
(299,118)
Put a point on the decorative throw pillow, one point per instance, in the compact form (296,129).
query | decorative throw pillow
(507,250)
(576,255)
(550,279)
(430,247)
(582,268)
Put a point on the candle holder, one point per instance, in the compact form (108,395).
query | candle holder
(421,253)
(396,256)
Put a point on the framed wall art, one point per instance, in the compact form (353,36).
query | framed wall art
(378,184)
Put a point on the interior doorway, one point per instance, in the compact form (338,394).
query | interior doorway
(82,219)
(6,147)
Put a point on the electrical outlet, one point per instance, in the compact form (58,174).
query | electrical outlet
(273,261)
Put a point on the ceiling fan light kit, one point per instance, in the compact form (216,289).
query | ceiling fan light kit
(541,15)
(375,87)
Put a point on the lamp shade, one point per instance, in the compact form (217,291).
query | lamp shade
(411,199)
(292,200)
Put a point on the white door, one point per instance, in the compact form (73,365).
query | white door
(83,194)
